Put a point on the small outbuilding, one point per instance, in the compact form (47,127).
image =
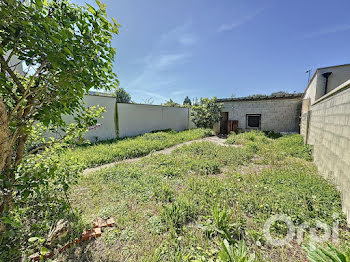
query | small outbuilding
(279,112)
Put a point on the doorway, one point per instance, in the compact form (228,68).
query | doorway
(223,123)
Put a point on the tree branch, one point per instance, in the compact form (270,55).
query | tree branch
(12,74)
(35,74)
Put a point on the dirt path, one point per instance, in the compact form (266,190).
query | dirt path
(166,151)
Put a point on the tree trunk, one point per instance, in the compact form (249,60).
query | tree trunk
(5,137)
(5,155)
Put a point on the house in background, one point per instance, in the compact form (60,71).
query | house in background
(325,124)
(279,113)
(323,81)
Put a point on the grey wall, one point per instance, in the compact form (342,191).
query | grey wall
(328,130)
(279,115)
(136,119)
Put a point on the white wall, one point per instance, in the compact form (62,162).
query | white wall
(136,119)
(107,130)
(315,90)
(107,123)
(310,92)
(133,119)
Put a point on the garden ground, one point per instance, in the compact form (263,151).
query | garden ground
(183,205)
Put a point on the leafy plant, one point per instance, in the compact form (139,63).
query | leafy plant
(170,102)
(109,151)
(328,254)
(67,50)
(235,253)
(206,113)
(178,213)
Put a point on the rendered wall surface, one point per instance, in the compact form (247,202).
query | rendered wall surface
(316,88)
(105,128)
(279,115)
(328,130)
(136,119)
(124,120)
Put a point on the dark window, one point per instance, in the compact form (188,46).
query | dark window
(253,121)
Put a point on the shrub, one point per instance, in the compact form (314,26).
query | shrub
(206,113)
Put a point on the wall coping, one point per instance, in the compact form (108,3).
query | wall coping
(340,88)
(139,104)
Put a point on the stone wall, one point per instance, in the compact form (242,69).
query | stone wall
(279,115)
(329,133)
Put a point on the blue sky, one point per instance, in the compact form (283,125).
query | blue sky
(202,48)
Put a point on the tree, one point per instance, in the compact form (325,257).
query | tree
(67,49)
(171,103)
(187,101)
(206,113)
(122,96)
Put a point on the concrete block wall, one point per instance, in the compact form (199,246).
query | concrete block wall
(303,124)
(279,115)
(329,133)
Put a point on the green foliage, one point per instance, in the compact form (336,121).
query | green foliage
(122,96)
(106,152)
(175,211)
(171,103)
(237,253)
(178,213)
(187,101)
(42,182)
(272,134)
(67,50)
(206,113)
(68,47)
(328,254)
(40,189)
(288,145)
(255,140)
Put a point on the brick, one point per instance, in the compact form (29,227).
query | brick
(100,222)
(110,222)
(97,232)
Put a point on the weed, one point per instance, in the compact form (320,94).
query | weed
(178,213)
(174,208)
(114,150)
(239,253)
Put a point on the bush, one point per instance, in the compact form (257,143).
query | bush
(206,113)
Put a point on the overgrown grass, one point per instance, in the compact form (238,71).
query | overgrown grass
(183,206)
(114,150)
